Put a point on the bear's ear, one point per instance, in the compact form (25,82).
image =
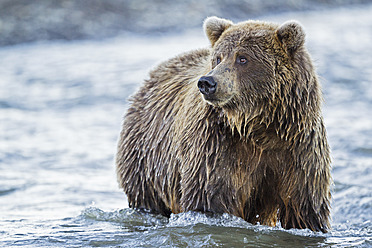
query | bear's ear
(291,35)
(214,27)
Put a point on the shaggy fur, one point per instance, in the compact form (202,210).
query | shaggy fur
(256,148)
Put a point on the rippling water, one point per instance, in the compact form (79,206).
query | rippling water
(61,106)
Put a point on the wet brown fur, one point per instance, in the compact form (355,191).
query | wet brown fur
(258,150)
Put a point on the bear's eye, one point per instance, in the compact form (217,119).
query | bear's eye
(218,60)
(241,60)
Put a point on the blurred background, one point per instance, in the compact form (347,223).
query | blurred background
(67,70)
(26,21)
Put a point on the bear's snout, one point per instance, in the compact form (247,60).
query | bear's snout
(207,85)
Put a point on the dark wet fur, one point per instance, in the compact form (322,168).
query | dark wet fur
(261,155)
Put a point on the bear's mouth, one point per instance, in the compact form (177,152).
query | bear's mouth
(214,101)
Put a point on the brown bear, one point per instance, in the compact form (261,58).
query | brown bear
(235,128)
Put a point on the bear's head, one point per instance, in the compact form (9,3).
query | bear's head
(257,68)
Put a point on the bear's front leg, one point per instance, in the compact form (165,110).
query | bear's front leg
(305,204)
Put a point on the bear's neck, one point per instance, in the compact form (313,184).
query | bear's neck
(272,130)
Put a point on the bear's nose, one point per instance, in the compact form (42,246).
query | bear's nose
(207,85)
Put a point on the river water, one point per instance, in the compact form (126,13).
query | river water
(61,107)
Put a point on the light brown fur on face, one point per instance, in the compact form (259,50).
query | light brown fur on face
(249,142)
